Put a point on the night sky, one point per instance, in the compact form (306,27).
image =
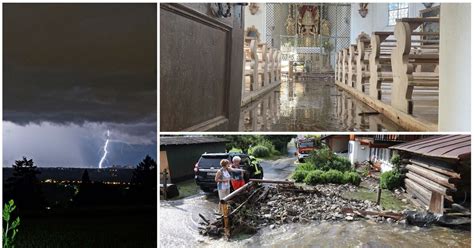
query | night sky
(72,72)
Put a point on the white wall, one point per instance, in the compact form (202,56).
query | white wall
(358,153)
(377,18)
(455,67)
(258,20)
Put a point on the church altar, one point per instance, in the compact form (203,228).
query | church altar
(308,37)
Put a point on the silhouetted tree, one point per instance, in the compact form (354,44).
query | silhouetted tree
(24,187)
(144,181)
(85,177)
(96,193)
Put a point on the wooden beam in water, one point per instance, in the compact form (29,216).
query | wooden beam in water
(271,181)
(402,119)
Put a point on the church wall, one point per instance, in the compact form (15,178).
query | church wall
(455,66)
(377,18)
(258,20)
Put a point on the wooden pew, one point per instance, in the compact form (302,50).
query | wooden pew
(345,65)
(271,64)
(251,65)
(351,65)
(337,66)
(380,69)
(262,69)
(278,66)
(413,67)
(263,65)
(362,63)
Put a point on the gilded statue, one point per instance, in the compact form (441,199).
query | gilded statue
(290,25)
(308,20)
(325,27)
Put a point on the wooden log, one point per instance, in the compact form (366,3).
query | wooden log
(418,191)
(430,185)
(204,219)
(263,195)
(436,177)
(436,167)
(244,202)
(237,192)
(271,181)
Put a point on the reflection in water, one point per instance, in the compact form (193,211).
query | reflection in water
(311,105)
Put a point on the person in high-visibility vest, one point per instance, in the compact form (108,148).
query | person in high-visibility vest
(254,163)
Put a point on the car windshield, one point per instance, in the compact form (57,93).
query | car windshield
(307,144)
(208,162)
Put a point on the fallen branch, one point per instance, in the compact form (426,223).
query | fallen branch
(204,219)
(243,203)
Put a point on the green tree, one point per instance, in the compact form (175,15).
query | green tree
(280,141)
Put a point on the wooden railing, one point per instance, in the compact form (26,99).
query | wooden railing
(391,68)
(262,69)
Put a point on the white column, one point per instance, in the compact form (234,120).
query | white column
(455,67)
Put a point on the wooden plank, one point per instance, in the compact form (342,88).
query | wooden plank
(436,203)
(425,82)
(419,19)
(404,120)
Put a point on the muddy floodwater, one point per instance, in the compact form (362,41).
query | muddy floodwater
(311,105)
(179,224)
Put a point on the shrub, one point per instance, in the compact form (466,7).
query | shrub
(260,151)
(320,157)
(352,178)
(341,164)
(314,177)
(390,180)
(333,176)
(396,161)
(324,159)
(305,167)
(300,175)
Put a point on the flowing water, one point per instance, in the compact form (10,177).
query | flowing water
(179,222)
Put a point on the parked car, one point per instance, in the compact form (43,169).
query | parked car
(207,166)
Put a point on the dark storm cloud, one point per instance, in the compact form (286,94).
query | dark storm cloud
(79,63)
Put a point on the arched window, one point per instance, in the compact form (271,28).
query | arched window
(396,11)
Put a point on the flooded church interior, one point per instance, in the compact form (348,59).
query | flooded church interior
(315,67)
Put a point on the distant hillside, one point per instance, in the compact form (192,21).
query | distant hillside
(122,175)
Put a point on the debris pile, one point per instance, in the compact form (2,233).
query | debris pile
(276,205)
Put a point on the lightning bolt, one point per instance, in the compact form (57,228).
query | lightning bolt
(105,150)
